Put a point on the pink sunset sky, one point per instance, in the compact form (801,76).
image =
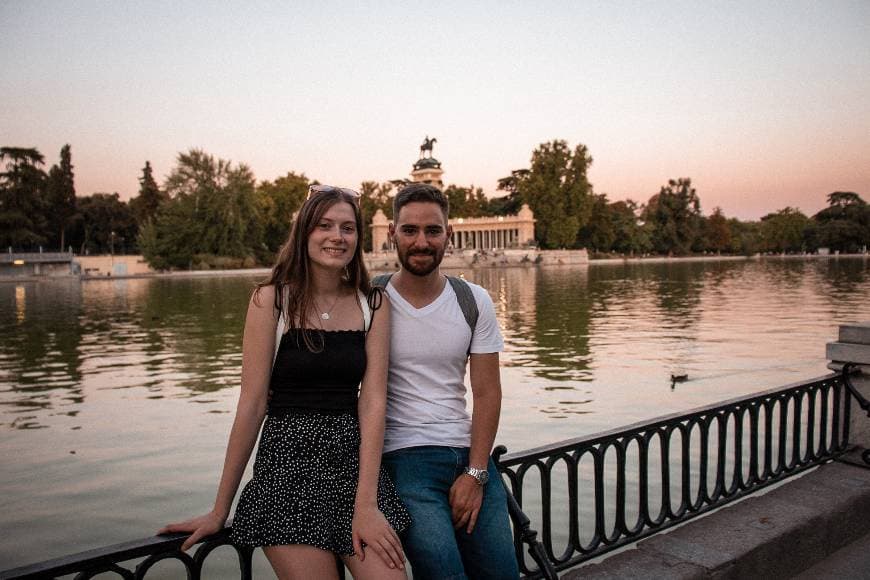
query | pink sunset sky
(763,104)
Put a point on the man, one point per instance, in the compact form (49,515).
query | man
(438,455)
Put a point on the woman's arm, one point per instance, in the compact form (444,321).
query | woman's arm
(369,525)
(258,346)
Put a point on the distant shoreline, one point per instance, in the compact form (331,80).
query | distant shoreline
(591,262)
(728,258)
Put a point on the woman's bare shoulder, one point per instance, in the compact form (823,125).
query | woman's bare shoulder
(264,294)
(263,299)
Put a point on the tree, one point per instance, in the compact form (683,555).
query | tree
(745,237)
(511,203)
(22,207)
(717,232)
(466,202)
(145,205)
(169,241)
(630,237)
(844,225)
(674,217)
(279,201)
(785,231)
(374,196)
(103,224)
(557,189)
(213,211)
(599,233)
(845,199)
(61,197)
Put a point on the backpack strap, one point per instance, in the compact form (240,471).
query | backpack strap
(467,303)
(382,280)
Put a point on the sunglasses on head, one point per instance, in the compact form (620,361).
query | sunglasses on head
(315,189)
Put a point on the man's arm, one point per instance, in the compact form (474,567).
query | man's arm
(466,496)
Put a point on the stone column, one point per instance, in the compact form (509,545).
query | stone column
(527,225)
(854,346)
(380,232)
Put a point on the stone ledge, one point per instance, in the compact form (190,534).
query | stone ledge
(858,333)
(848,352)
(775,535)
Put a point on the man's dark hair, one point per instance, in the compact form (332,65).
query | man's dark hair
(420,192)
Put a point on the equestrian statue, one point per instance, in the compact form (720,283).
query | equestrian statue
(427,146)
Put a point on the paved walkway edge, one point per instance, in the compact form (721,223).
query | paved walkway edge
(775,535)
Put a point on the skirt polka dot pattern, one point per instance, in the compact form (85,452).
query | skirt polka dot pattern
(304,485)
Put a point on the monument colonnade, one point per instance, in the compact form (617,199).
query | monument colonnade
(486,233)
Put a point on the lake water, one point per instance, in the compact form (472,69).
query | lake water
(116,396)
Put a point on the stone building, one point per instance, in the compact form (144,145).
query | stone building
(484,233)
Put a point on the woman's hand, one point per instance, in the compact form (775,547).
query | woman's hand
(200,527)
(371,528)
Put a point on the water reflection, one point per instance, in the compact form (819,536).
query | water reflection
(39,364)
(63,340)
(20,296)
(544,314)
(572,334)
(123,389)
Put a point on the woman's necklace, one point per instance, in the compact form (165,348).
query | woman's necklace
(324,315)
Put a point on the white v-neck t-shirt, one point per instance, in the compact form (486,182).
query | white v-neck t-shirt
(428,355)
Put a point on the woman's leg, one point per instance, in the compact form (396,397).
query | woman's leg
(372,568)
(301,562)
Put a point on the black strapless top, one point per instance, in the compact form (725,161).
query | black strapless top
(326,381)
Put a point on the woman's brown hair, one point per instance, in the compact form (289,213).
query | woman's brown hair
(291,276)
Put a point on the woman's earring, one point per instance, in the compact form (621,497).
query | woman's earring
(346,274)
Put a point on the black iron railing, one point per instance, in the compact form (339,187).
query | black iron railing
(87,565)
(594,494)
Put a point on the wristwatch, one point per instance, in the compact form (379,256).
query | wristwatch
(479,475)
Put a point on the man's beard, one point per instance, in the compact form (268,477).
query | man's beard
(405,259)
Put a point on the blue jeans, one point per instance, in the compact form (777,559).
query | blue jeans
(423,476)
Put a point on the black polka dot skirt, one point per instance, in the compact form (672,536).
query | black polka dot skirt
(304,485)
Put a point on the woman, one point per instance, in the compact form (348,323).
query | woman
(314,336)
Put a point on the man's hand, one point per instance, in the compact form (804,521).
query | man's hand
(466,497)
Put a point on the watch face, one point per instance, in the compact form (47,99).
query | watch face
(481,475)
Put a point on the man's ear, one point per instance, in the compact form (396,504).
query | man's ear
(393,232)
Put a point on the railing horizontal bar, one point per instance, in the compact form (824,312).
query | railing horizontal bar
(510,459)
(92,558)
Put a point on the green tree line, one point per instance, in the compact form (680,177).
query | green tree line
(211,213)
